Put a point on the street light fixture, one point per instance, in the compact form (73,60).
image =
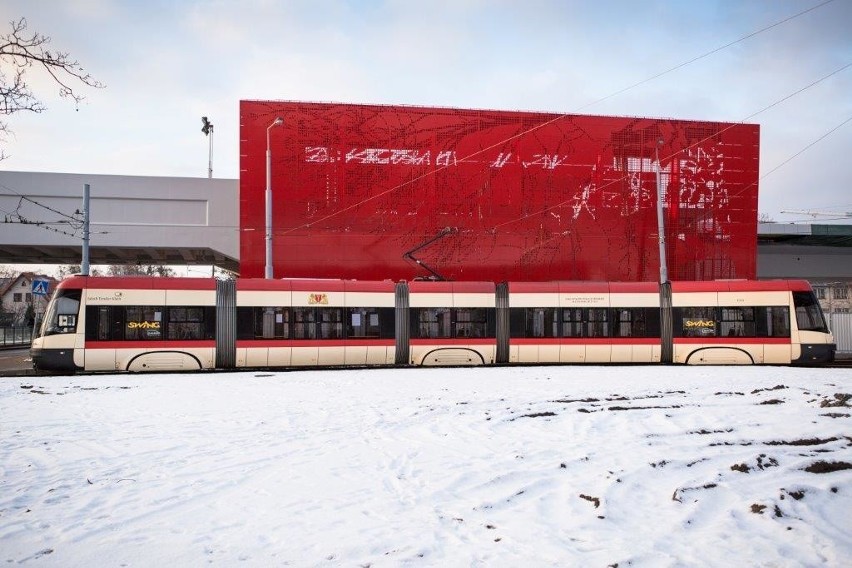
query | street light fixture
(268,268)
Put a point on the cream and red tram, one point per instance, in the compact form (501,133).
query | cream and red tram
(168,324)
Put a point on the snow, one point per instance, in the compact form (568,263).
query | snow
(540,466)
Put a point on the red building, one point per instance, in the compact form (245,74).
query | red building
(399,192)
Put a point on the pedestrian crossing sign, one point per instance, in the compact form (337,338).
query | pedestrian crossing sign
(40,287)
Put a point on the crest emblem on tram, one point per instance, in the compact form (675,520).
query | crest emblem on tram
(317,299)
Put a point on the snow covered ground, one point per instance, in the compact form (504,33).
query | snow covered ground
(537,466)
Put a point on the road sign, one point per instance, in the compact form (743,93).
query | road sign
(40,287)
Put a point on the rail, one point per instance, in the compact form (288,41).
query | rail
(16,336)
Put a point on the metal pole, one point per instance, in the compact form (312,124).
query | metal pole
(268,196)
(661,225)
(210,156)
(84,265)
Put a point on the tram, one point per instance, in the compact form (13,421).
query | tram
(143,324)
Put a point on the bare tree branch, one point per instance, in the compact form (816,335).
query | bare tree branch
(20,52)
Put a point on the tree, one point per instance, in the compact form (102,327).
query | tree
(20,52)
(63,271)
(139,270)
(7,271)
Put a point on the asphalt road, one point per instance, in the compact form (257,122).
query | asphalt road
(15,362)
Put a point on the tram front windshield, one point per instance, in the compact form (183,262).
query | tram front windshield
(808,312)
(62,313)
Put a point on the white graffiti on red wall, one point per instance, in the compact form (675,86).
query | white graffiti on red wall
(699,175)
(411,157)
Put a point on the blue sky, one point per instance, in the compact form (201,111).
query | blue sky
(167,63)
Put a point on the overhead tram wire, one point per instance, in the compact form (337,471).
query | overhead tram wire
(34,202)
(808,146)
(555,119)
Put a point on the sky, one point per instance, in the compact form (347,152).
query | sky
(530,466)
(166,64)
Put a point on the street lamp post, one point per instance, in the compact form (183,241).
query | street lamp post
(268,268)
(661,225)
(666,324)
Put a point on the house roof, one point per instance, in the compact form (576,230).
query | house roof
(7,284)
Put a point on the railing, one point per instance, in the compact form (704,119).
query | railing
(16,336)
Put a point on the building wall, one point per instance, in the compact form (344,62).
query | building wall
(374,192)
(834,296)
(126,212)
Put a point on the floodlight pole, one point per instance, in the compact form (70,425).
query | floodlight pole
(661,225)
(268,267)
(207,129)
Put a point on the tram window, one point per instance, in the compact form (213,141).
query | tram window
(431,322)
(695,322)
(471,322)
(542,322)
(271,323)
(772,321)
(517,322)
(572,322)
(370,323)
(143,323)
(737,322)
(623,322)
(98,323)
(636,322)
(808,313)
(188,322)
(330,323)
(245,323)
(362,323)
(597,324)
(304,323)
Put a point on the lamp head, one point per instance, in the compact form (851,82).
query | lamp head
(208,126)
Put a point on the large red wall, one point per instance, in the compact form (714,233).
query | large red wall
(519,195)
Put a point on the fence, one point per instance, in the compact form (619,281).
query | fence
(16,336)
(841,327)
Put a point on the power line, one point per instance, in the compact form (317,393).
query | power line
(806,147)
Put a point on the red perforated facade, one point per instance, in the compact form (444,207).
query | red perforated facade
(375,192)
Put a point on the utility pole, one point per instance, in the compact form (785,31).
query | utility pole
(84,265)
